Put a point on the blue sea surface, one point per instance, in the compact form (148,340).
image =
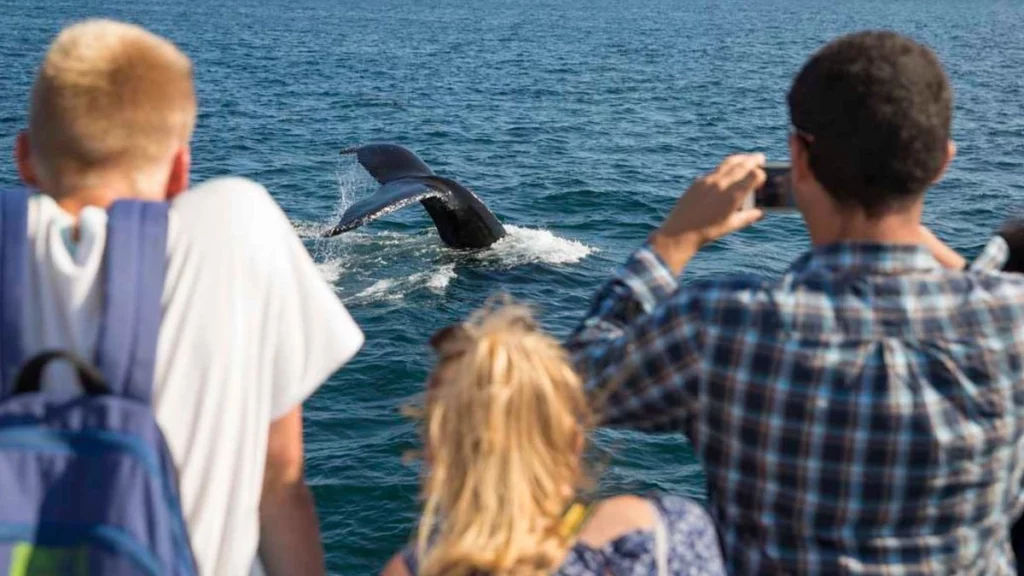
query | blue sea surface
(577,121)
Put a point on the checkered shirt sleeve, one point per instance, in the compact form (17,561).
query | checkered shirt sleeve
(993,257)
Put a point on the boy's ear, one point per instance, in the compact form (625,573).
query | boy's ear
(23,158)
(178,180)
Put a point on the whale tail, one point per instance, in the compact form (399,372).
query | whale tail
(461,219)
(390,197)
(389,162)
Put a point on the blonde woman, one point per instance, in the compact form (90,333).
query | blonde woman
(504,429)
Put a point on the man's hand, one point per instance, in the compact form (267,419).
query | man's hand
(709,210)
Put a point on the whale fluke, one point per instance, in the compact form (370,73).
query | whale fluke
(461,219)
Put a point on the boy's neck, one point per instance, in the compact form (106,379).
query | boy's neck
(74,205)
(99,193)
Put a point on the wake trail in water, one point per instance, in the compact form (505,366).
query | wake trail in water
(396,288)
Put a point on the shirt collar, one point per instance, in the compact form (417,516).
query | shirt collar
(867,257)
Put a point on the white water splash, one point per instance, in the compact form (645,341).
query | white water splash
(440,278)
(331,269)
(308,230)
(529,245)
(353,182)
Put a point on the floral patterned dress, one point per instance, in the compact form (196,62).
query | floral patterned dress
(693,548)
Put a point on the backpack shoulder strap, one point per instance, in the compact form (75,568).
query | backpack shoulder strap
(13,277)
(134,265)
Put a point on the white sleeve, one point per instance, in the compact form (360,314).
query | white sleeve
(316,335)
(303,333)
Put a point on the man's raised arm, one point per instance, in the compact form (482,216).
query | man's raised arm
(638,347)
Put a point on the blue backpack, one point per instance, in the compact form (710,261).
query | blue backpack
(87,485)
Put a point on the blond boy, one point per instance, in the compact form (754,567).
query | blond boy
(249,327)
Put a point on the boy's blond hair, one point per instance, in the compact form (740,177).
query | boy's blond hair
(109,95)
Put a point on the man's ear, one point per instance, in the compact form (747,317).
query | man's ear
(178,180)
(23,158)
(950,154)
(799,162)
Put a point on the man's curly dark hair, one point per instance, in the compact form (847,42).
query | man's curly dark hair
(874,110)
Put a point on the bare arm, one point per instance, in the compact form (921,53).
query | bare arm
(942,252)
(395,567)
(637,348)
(289,530)
(710,209)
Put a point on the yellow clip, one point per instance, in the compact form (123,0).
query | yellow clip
(573,519)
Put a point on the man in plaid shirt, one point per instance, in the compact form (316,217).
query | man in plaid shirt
(864,414)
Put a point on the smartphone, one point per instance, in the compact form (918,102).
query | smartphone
(776,193)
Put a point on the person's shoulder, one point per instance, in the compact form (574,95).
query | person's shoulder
(707,297)
(631,507)
(691,533)
(618,516)
(396,566)
(733,284)
(679,509)
(1009,285)
(230,212)
(1000,293)
(230,199)
(1012,280)
(615,517)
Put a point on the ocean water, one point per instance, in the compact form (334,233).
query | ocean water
(577,121)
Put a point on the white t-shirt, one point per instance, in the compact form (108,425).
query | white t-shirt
(249,331)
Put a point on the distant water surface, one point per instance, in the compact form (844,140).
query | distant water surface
(578,123)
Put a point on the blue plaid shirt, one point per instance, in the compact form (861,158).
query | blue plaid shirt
(863,414)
